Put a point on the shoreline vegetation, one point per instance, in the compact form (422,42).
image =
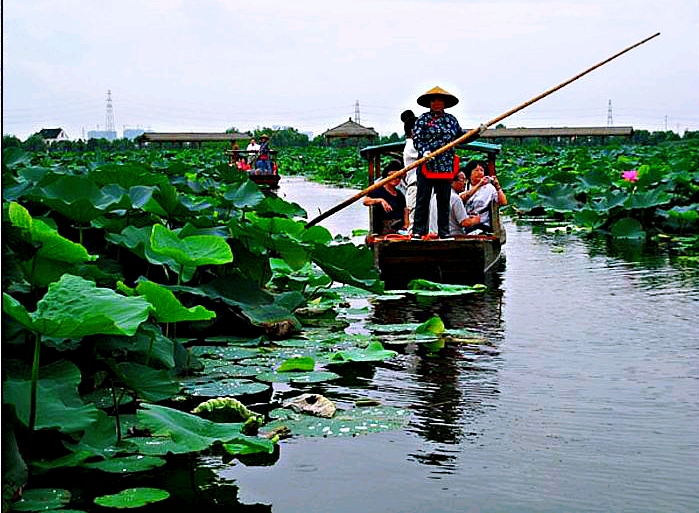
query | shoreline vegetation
(140,285)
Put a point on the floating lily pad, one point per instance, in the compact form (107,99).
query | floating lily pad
(298,363)
(214,368)
(132,498)
(352,422)
(127,464)
(225,352)
(296,377)
(374,352)
(42,499)
(226,387)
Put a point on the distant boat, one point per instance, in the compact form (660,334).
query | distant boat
(465,259)
(246,161)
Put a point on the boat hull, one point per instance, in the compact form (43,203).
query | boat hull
(458,261)
(271,181)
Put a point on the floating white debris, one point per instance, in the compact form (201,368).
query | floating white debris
(312,404)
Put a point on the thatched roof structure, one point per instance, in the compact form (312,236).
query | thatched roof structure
(350,130)
(493,133)
(195,138)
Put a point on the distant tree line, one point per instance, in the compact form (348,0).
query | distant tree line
(292,138)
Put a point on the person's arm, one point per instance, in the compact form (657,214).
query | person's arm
(419,136)
(501,198)
(466,195)
(368,201)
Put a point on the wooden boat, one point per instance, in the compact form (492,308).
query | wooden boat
(466,259)
(246,161)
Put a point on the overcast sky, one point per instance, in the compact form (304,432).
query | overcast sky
(208,65)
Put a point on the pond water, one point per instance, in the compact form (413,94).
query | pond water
(583,396)
(589,400)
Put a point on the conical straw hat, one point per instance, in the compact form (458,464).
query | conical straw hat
(449,99)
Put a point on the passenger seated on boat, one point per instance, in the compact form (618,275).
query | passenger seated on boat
(483,192)
(460,222)
(389,213)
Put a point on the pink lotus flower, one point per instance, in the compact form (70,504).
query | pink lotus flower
(630,176)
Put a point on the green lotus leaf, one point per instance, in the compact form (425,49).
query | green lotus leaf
(374,352)
(425,287)
(349,264)
(648,199)
(192,251)
(126,175)
(140,195)
(100,438)
(610,200)
(147,342)
(184,431)
(279,207)
(137,240)
(225,352)
(14,156)
(166,203)
(74,307)
(298,363)
(52,247)
(132,498)
(127,464)
(373,419)
(167,308)
(259,306)
(249,445)
(595,178)
(71,460)
(58,404)
(226,387)
(628,228)
(589,218)
(42,499)
(561,198)
(214,368)
(150,384)
(79,198)
(296,377)
(244,195)
(434,325)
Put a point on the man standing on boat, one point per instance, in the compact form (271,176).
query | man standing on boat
(264,161)
(433,130)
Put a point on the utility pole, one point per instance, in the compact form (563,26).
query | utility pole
(356,112)
(610,122)
(110,113)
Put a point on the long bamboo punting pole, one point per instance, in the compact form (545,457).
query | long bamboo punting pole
(468,136)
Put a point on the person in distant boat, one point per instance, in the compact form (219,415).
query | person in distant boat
(433,130)
(460,222)
(264,160)
(390,213)
(483,191)
(409,180)
(252,149)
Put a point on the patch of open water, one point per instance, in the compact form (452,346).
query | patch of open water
(589,402)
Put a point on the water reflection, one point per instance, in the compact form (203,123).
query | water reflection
(453,387)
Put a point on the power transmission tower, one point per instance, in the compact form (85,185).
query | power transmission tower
(356,112)
(110,113)
(610,122)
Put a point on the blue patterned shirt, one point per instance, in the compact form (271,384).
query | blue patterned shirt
(432,131)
